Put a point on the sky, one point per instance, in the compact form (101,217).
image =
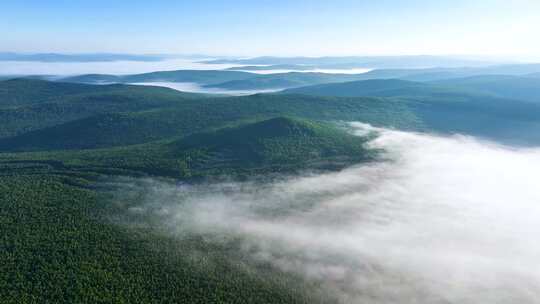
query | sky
(276,27)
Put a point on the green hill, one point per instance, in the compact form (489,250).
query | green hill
(238,80)
(24,91)
(277,142)
(27,91)
(92,121)
(62,243)
(299,79)
(103,130)
(515,87)
(449,108)
(284,80)
(393,88)
(376,87)
(272,145)
(152,113)
(93,79)
(116,129)
(70,104)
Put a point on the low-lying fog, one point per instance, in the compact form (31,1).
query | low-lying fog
(131,67)
(197,88)
(328,71)
(438,220)
(112,67)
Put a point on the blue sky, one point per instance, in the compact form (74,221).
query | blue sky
(278,27)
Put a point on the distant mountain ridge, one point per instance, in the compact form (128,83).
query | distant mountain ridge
(241,80)
(379,62)
(89,57)
(298,79)
(373,87)
(502,86)
(515,87)
(284,80)
(296,67)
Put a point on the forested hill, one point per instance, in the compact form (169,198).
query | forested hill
(27,91)
(77,116)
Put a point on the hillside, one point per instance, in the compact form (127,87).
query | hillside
(103,130)
(118,129)
(93,79)
(24,91)
(277,142)
(144,114)
(410,90)
(27,91)
(63,243)
(299,79)
(151,113)
(183,118)
(285,80)
(233,79)
(272,145)
(223,79)
(29,112)
(515,87)
(376,87)
(449,109)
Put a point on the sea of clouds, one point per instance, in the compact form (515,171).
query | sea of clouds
(133,67)
(63,69)
(438,219)
(105,67)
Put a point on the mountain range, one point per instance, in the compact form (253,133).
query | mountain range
(378,62)
(80,157)
(240,80)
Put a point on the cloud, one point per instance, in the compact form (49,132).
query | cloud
(436,220)
(197,88)
(114,67)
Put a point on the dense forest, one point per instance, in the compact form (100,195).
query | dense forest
(65,148)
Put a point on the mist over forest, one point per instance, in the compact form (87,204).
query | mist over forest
(269,152)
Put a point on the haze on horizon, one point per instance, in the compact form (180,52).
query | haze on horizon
(493,28)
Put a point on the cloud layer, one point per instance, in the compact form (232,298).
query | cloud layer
(438,220)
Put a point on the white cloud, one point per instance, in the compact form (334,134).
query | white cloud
(439,220)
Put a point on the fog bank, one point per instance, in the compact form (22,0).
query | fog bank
(132,67)
(112,67)
(314,70)
(193,87)
(436,220)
